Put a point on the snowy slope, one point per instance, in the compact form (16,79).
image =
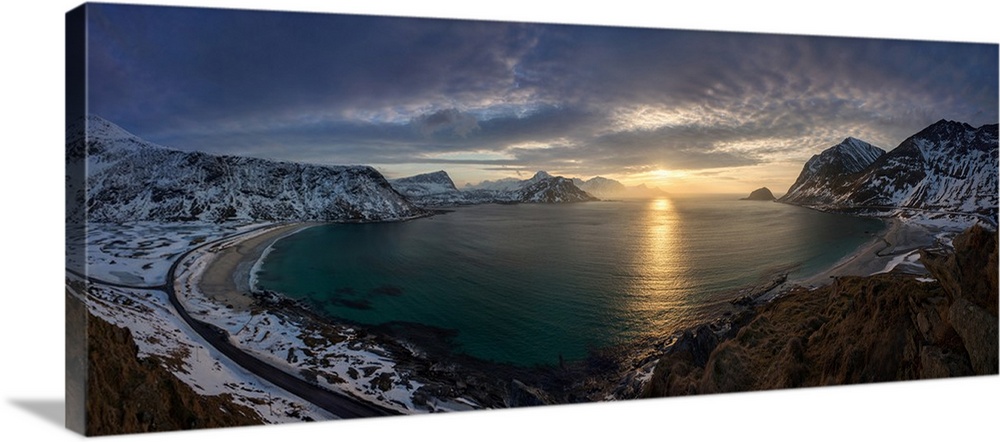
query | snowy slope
(129,179)
(827,175)
(508,184)
(553,190)
(425,184)
(948,166)
(430,189)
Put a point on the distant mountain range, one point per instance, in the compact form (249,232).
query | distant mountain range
(606,188)
(947,169)
(115,176)
(437,189)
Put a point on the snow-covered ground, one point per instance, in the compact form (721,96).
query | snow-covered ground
(139,253)
(328,354)
(907,262)
(158,331)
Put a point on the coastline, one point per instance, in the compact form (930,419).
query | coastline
(880,254)
(227,278)
(866,326)
(228,275)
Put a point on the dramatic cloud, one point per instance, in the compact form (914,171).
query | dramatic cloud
(507,96)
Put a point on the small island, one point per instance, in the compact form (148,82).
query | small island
(762,194)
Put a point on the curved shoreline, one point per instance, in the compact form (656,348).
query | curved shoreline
(898,238)
(338,404)
(235,262)
(228,275)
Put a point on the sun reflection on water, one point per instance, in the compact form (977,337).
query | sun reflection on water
(659,264)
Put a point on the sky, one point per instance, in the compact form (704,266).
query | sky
(687,111)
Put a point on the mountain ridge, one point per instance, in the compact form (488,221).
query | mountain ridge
(129,179)
(828,172)
(427,190)
(947,169)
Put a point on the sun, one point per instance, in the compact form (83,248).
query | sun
(663,174)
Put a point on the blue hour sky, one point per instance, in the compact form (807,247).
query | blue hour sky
(679,109)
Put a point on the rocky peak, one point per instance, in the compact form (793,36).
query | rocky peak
(948,169)
(440,178)
(553,190)
(762,194)
(540,175)
(828,172)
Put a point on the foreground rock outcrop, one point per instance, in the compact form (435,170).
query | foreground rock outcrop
(880,328)
(128,394)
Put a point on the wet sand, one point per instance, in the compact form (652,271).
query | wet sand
(899,238)
(226,277)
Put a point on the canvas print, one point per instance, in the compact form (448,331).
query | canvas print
(282,217)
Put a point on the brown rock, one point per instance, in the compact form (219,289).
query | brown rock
(936,362)
(978,330)
(728,370)
(879,328)
(522,395)
(971,272)
(126,394)
(931,319)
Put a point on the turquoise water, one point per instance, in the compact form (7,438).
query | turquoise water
(527,284)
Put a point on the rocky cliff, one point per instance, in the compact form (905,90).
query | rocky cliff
(880,328)
(126,394)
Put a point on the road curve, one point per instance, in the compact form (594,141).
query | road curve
(338,404)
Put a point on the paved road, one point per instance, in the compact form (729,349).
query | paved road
(338,404)
(984,218)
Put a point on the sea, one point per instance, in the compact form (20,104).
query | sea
(546,284)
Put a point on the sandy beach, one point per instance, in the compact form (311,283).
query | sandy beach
(226,278)
(898,239)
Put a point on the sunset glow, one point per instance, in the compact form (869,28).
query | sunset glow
(491,100)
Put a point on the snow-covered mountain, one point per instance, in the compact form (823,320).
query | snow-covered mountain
(430,189)
(607,188)
(553,190)
(129,179)
(508,184)
(540,188)
(947,168)
(828,175)
(601,187)
(425,183)
(437,189)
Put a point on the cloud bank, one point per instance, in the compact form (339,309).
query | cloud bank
(579,100)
